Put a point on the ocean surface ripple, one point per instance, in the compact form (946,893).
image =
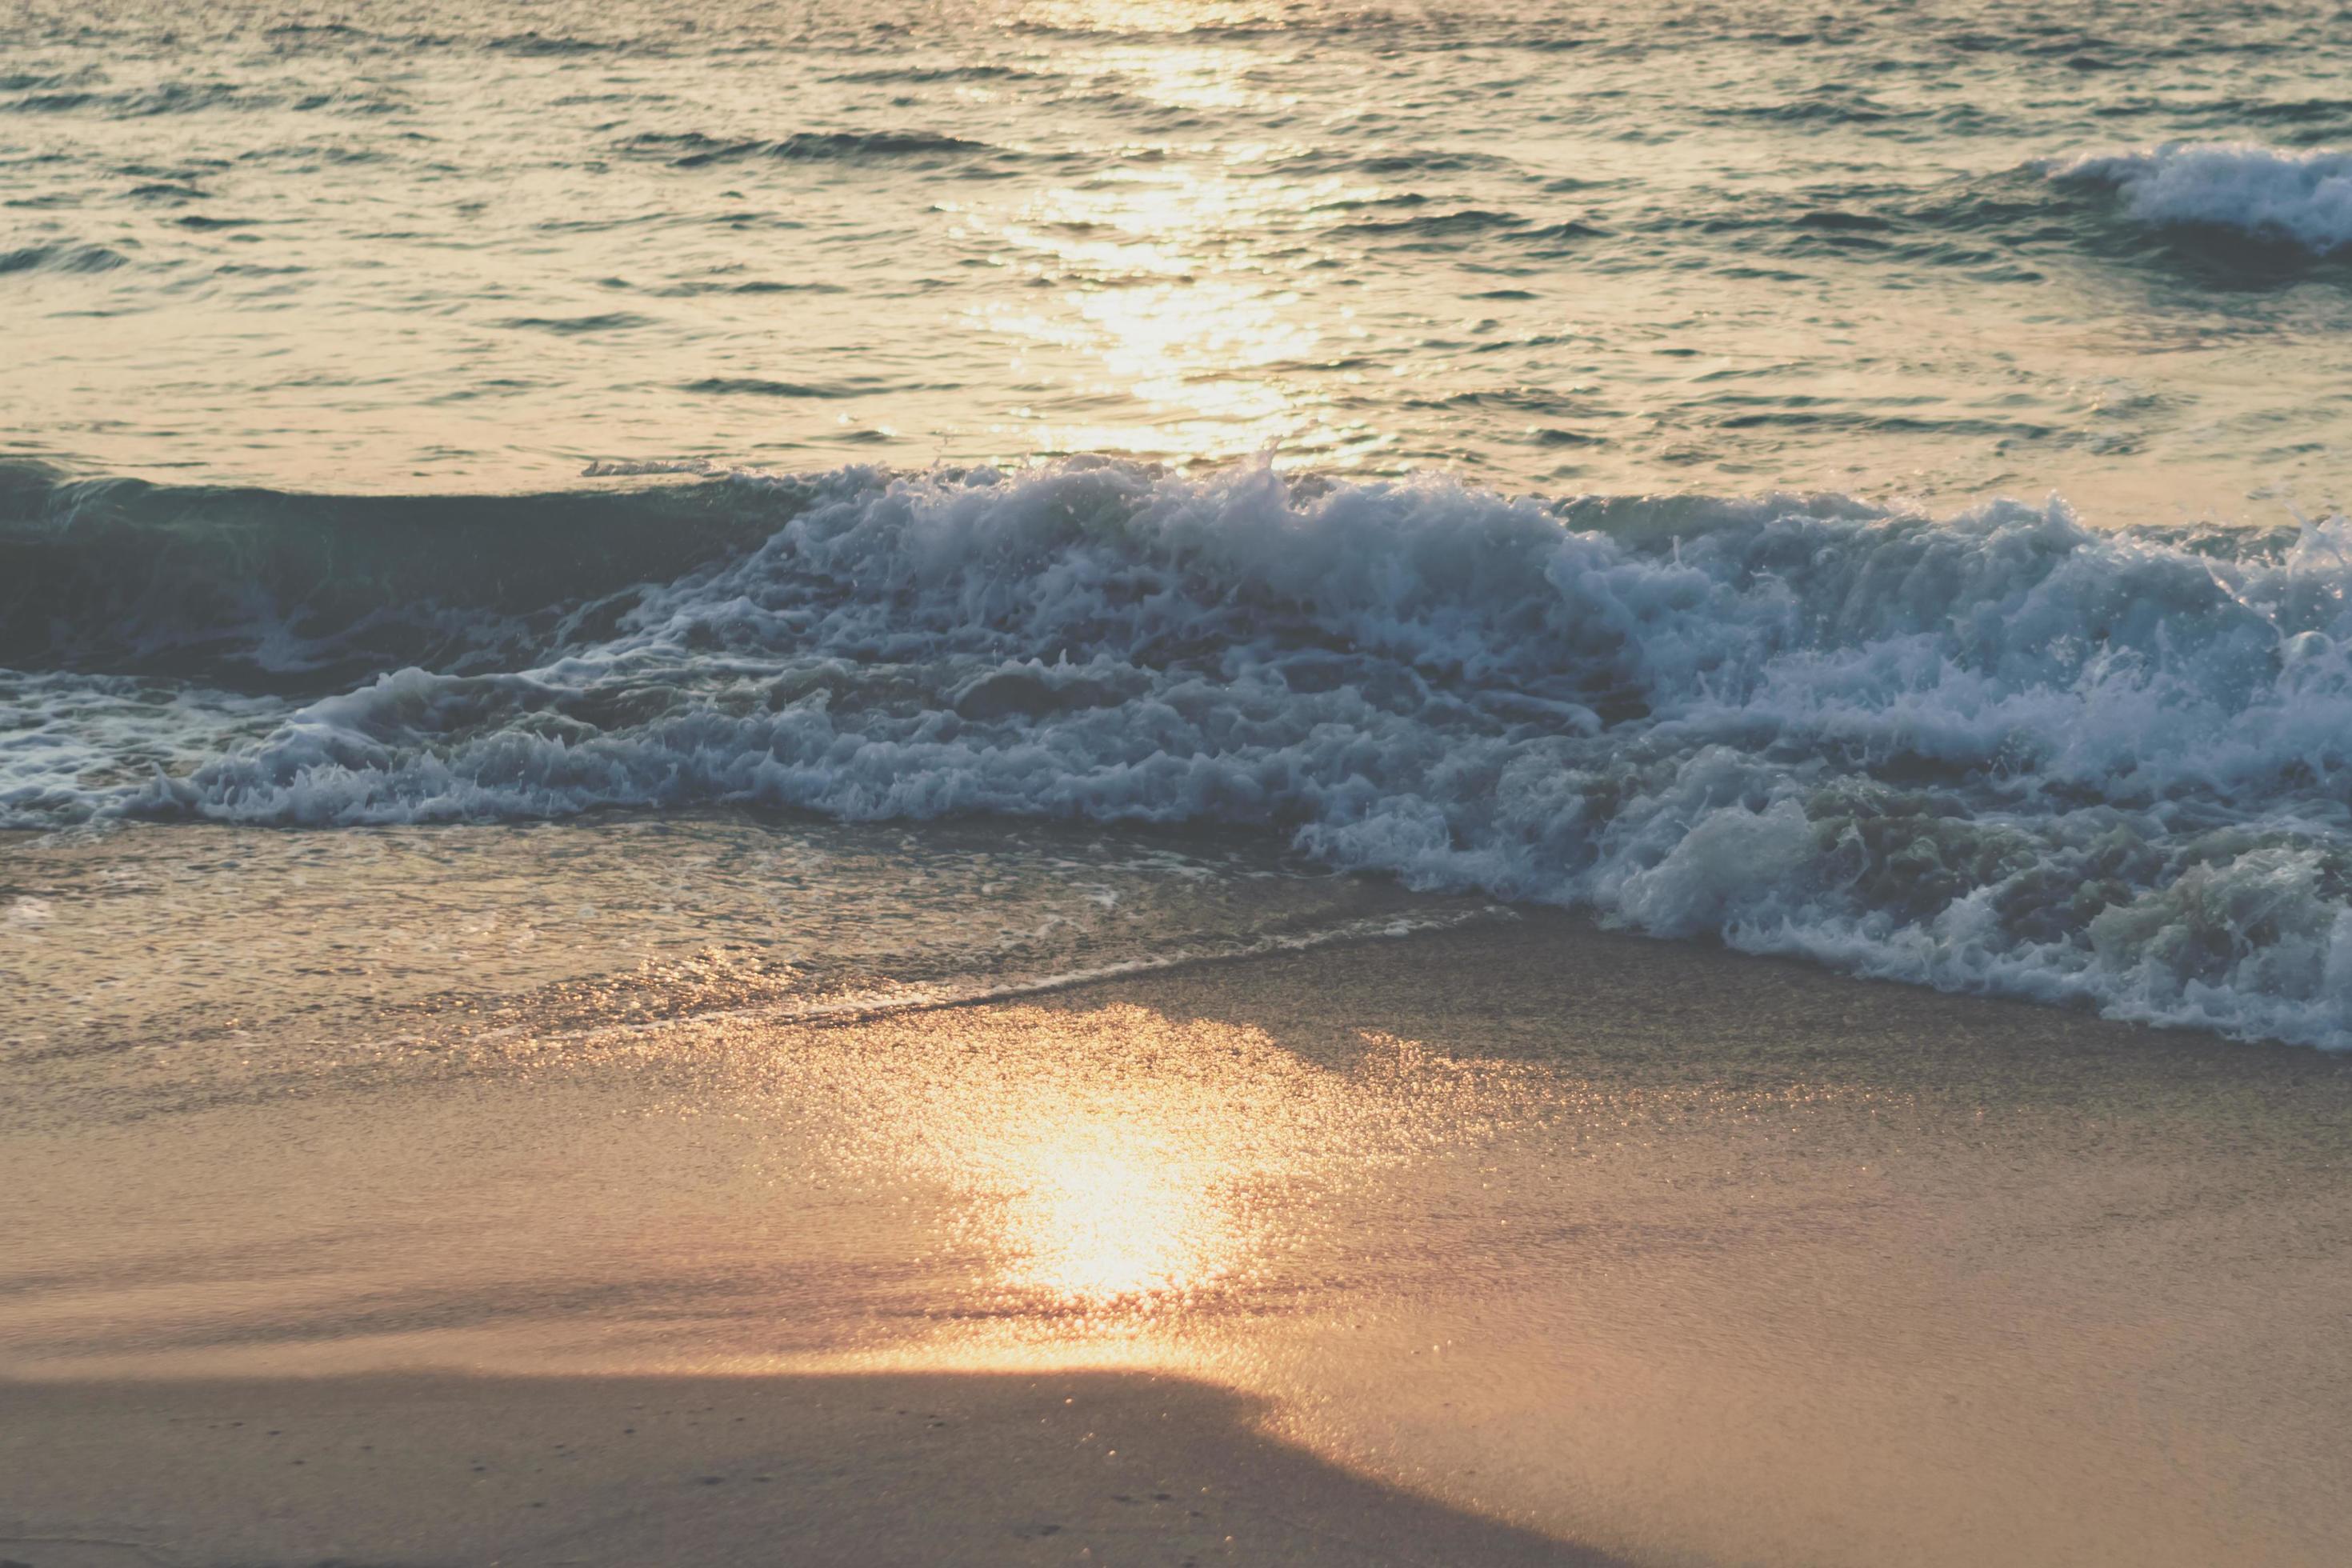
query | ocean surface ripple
(1943,249)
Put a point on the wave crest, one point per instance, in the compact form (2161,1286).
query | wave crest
(2303,199)
(1999,752)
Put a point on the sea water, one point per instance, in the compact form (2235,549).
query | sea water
(1850,481)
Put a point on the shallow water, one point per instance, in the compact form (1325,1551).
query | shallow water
(161,970)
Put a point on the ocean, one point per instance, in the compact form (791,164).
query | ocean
(1848,481)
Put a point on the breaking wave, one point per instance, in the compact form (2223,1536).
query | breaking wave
(2303,199)
(1998,753)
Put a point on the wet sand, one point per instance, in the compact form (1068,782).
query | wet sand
(1510,1242)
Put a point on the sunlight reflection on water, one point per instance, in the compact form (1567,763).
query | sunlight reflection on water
(1184,310)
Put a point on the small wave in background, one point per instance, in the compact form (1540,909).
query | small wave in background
(2298,200)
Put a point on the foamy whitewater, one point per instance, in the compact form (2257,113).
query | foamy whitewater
(2298,199)
(1432,443)
(1996,752)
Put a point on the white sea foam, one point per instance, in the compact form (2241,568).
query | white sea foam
(2305,197)
(2001,753)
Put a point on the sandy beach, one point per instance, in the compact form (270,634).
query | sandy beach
(1521,1243)
(911,1469)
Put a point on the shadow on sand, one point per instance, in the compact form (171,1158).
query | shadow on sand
(910,1468)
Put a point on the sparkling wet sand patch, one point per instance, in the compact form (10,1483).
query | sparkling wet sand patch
(1652,1249)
